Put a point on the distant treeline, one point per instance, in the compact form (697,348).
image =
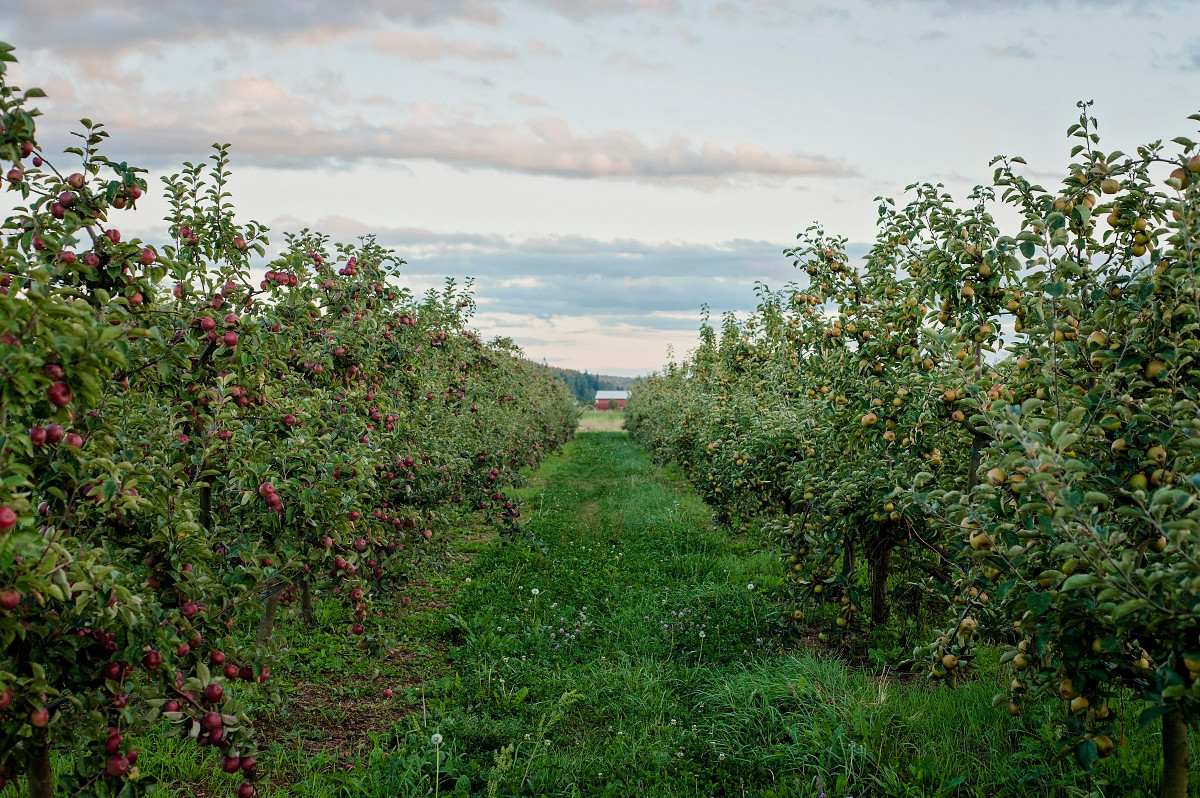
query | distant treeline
(584,386)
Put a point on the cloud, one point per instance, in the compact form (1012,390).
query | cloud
(423,47)
(539,47)
(661,284)
(272,126)
(527,100)
(104,24)
(113,27)
(1011,51)
(989,6)
(628,60)
(578,300)
(587,9)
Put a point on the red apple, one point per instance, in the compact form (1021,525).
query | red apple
(59,394)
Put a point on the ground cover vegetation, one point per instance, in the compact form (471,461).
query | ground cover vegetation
(991,418)
(617,643)
(183,448)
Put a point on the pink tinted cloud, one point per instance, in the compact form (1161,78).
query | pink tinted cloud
(539,47)
(423,47)
(272,126)
(527,100)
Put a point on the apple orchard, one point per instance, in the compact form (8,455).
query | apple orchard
(182,449)
(1004,418)
(992,419)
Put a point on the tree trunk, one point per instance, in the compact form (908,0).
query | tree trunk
(879,563)
(848,564)
(1177,758)
(306,610)
(267,624)
(206,507)
(40,778)
(977,443)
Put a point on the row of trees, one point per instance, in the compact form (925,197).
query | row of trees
(1009,408)
(179,443)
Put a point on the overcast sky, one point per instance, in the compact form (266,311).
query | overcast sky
(602,167)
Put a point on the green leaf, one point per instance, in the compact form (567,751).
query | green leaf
(1076,581)
(1028,249)
(1127,607)
(1085,754)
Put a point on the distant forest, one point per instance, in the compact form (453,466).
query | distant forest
(584,386)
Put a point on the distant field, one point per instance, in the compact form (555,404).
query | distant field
(602,421)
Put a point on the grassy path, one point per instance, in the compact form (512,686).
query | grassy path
(615,647)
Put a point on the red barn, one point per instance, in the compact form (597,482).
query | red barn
(606,399)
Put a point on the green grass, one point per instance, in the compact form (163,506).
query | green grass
(600,683)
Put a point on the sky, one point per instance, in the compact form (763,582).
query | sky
(601,168)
